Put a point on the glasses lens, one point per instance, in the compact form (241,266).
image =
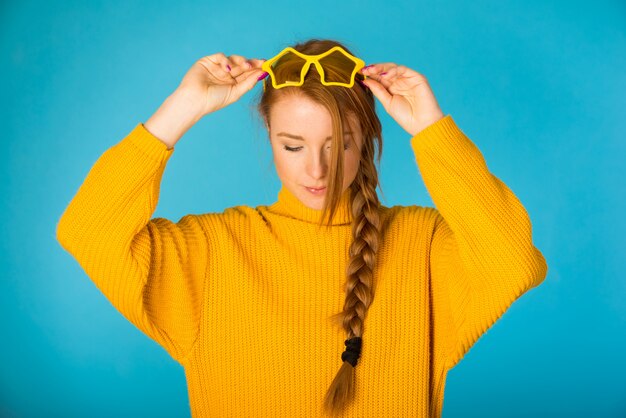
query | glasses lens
(290,68)
(337,67)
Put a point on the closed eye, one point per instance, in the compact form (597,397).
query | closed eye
(299,148)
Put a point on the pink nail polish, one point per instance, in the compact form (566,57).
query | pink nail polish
(383,73)
(228,66)
(265,74)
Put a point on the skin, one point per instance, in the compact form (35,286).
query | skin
(308,164)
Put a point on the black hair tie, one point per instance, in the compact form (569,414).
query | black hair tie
(353,350)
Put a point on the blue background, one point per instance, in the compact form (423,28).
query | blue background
(539,87)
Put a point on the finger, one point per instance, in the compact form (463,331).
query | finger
(379,91)
(250,66)
(257,62)
(386,78)
(380,72)
(217,65)
(374,69)
(238,64)
(243,65)
(247,80)
(405,71)
(224,62)
(253,73)
(249,63)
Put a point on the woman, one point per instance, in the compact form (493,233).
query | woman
(257,303)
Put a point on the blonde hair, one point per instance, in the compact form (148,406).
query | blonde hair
(345,105)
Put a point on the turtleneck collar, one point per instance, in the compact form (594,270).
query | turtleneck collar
(289,205)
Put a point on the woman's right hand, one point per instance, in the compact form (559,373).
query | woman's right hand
(210,84)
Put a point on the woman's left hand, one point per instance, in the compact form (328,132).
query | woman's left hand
(405,94)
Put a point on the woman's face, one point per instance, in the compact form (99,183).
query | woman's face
(301,139)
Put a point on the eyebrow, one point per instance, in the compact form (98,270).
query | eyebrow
(298,137)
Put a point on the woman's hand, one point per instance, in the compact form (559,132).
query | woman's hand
(405,94)
(215,81)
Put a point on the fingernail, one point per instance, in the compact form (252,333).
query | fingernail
(362,83)
(383,73)
(265,74)
(228,66)
(368,66)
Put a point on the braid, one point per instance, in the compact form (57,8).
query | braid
(360,279)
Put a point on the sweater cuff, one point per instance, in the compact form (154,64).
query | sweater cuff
(149,144)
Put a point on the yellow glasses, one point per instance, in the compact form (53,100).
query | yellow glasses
(336,57)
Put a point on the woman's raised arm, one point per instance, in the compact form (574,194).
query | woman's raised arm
(151,270)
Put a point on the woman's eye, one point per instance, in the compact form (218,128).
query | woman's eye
(288,148)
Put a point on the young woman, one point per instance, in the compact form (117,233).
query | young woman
(268,312)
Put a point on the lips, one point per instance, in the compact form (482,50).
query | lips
(316,192)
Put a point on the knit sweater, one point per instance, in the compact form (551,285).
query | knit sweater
(242,298)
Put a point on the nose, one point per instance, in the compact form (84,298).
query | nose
(317,165)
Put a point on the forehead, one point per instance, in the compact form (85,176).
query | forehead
(299,115)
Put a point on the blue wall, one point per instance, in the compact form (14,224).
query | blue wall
(539,86)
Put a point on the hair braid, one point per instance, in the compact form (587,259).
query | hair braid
(360,285)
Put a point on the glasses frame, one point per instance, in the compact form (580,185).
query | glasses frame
(311,59)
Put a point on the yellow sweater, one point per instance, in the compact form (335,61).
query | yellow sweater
(242,299)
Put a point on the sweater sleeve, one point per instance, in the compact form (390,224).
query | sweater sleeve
(482,257)
(151,270)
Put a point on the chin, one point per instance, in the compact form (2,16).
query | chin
(309,201)
(313,204)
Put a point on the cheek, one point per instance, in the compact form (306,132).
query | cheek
(284,165)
